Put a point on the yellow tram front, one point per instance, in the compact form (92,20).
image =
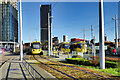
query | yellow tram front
(36,48)
(79,46)
(65,47)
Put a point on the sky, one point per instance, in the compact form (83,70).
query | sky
(69,18)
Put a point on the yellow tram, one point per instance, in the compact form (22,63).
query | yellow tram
(65,47)
(36,48)
(79,46)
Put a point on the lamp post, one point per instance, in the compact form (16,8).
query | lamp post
(116,35)
(49,35)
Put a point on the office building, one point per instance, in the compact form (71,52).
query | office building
(44,10)
(65,38)
(55,40)
(8,23)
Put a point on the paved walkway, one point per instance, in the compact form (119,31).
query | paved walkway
(13,69)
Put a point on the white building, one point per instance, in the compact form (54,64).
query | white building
(65,38)
(59,41)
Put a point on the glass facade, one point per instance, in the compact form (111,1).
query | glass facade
(44,10)
(8,22)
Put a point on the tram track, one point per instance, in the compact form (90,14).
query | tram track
(71,77)
(76,68)
(59,63)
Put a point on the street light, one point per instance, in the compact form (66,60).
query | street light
(21,49)
(49,40)
(116,35)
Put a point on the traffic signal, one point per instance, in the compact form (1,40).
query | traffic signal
(92,41)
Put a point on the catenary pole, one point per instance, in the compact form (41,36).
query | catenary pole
(48,34)
(94,48)
(51,39)
(84,40)
(92,37)
(116,34)
(92,31)
(101,35)
(21,48)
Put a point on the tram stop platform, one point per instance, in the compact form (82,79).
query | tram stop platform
(14,69)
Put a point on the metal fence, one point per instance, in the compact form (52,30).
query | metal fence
(33,73)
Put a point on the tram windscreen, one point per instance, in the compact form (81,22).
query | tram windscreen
(36,46)
(79,45)
(66,46)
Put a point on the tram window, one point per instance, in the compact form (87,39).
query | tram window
(66,46)
(36,46)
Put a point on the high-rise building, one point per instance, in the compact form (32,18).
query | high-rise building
(65,38)
(44,10)
(119,20)
(55,39)
(8,22)
(105,37)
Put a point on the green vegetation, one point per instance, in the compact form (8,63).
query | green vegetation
(111,67)
(113,71)
(82,61)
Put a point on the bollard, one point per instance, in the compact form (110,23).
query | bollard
(68,54)
(72,53)
(58,53)
(34,73)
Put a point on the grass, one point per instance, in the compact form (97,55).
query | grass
(111,67)
(113,71)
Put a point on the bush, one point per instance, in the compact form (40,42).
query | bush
(95,62)
(111,64)
(79,61)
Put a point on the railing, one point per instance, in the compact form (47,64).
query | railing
(32,71)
